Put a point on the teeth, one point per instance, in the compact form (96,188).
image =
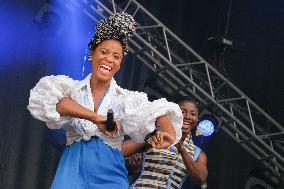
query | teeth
(105,67)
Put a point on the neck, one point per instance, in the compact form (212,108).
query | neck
(98,86)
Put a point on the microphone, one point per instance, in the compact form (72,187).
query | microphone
(110,121)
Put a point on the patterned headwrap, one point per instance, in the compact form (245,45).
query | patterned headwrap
(118,26)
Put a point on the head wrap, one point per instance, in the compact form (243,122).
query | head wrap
(118,26)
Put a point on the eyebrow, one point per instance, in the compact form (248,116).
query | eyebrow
(114,51)
(195,111)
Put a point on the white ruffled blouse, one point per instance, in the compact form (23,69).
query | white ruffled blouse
(132,109)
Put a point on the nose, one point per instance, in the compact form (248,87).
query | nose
(186,115)
(109,58)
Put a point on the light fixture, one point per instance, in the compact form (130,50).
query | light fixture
(51,19)
(208,123)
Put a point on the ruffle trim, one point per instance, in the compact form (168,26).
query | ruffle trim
(44,97)
(141,116)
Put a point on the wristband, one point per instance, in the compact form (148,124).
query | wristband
(179,149)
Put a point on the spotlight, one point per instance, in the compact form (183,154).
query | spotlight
(50,19)
(205,128)
(208,123)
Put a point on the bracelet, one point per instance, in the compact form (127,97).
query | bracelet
(179,149)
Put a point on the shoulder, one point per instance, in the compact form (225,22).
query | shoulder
(58,79)
(202,158)
(116,88)
(52,82)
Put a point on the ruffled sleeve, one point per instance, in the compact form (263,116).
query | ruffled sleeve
(140,115)
(44,97)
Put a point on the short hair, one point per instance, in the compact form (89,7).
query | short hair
(180,99)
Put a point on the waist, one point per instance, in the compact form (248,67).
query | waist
(114,143)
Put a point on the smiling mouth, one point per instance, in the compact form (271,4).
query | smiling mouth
(105,68)
(186,125)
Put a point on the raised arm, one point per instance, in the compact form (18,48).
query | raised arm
(197,170)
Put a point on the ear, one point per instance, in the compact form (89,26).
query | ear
(90,55)
(90,58)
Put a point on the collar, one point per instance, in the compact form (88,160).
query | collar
(113,88)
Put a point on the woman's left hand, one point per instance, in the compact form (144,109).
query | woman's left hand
(161,140)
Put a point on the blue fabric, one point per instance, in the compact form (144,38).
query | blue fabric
(91,164)
(197,151)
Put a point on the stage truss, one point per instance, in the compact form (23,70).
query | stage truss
(185,72)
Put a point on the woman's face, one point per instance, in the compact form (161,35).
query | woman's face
(106,59)
(190,115)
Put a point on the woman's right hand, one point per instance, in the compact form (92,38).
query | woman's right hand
(161,140)
(101,121)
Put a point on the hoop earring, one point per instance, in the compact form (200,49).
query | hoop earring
(89,58)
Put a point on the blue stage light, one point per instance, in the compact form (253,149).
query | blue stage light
(205,127)
(208,123)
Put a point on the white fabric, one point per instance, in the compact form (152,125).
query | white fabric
(44,97)
(136,114)
(141,115)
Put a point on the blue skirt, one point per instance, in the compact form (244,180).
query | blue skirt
(91,164)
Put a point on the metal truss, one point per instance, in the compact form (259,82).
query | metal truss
(185,72)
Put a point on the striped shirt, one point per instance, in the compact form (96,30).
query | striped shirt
(164,168)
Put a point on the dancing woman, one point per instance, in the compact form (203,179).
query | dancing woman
(93,158)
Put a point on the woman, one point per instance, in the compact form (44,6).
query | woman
(168,168)
(93,158)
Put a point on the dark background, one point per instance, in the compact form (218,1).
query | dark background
(28,52)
